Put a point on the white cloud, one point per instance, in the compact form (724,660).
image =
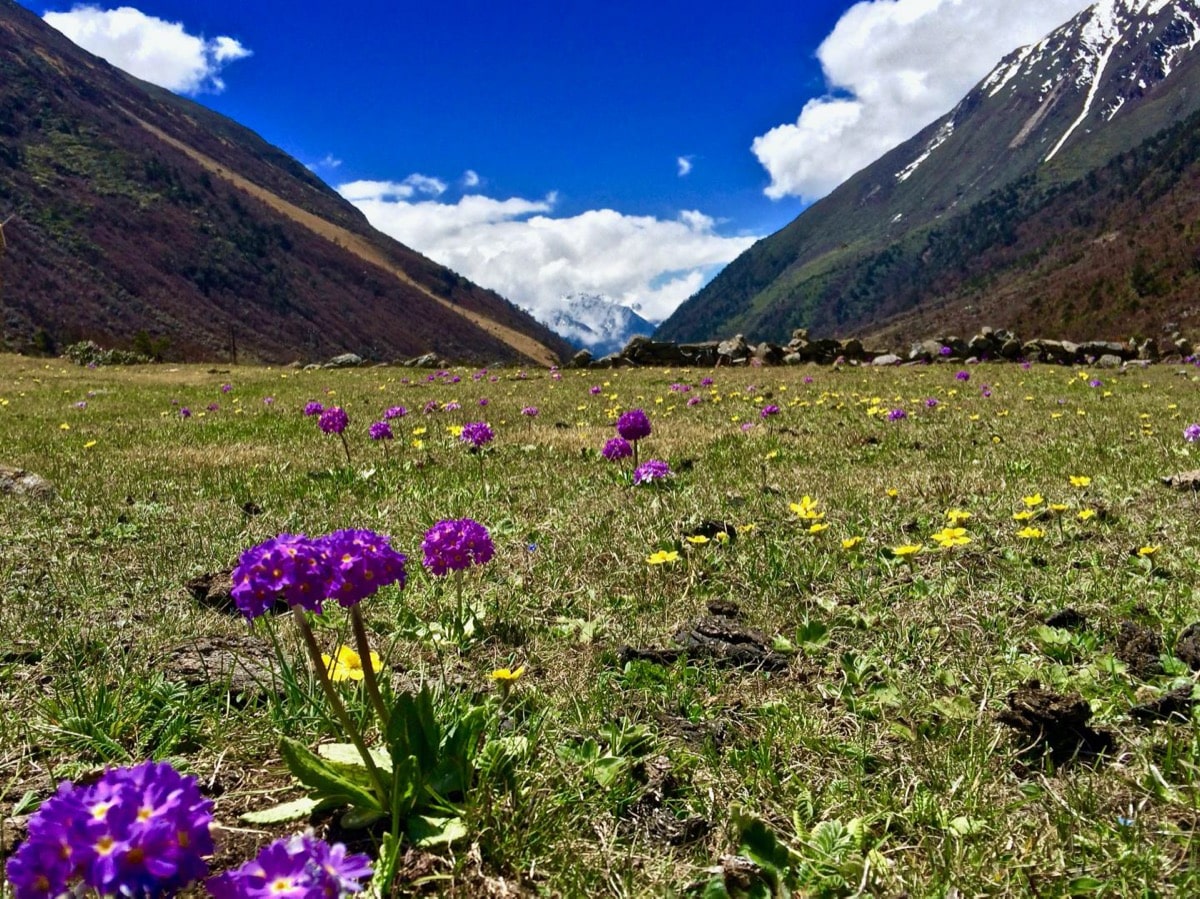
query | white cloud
(892,67)
(520,249)
(685,166)
(154,50)
(470,179)
(392,191)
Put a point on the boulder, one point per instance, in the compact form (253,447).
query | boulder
(887,359)
(925,351)
(1108,360)
(346,360)
(733,349)
(582,359)
(18,482)
(768,353)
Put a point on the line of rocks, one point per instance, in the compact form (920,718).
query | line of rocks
(988,345)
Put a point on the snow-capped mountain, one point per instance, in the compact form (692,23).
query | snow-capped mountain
(595,322)
(1100,85)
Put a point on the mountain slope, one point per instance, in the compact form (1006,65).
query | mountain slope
(137,210)
(1102,84)
(596,323)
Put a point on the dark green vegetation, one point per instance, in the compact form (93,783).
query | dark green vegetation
(864,749)
(1099,242)
(137,210)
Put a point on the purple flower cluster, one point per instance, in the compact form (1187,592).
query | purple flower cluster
(530,411)
(456,544)
(301,867)
(617,448)
(695,400)
(897,415)
(706,382)
(768,411)
(594,390)
(381,430)
(313,408)
(651,470)
(346,565)
(141,831)
(395,412)
(477,433)
(1191,433)
(962,375)
(333,420)
(185,412)
(633,425)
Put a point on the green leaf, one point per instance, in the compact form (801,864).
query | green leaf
(782,644)
(322,778)
(426,831)
(1082,886)
(966,827)
(759,842)
(296,810)
(347,754)
(955,708)
(608,769)
(358,818)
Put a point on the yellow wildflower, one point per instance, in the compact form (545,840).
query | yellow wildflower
(662,557)
(347,664)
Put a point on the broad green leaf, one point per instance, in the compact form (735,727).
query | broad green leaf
(347,754)
(296,810)
(321,777)
(426,831)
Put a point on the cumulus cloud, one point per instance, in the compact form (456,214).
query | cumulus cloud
(520,249)
(892,67)
(685,166)
(392,191)
(153,49)
(470,179)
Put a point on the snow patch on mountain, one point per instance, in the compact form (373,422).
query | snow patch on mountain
(595,322)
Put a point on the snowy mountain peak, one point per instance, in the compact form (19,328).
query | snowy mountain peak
(596,322)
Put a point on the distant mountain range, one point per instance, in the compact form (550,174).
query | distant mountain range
(596,323)
(1059,194)
(138,212)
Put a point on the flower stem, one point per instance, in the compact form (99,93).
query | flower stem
(345,446)
(369,676)
(339,710)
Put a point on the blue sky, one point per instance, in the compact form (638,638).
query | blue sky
(625,148)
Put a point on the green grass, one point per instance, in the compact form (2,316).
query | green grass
(876,761)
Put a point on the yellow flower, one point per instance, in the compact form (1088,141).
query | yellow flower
(817,528)
(1023,515)
(1080,480)
(1085,514)
(1056,508)
(806,509)
(417,432)
(851,542)
(699,539)
(722,536)
(347,664)
(748,528)
(1032,500)
(506,675)
(910,549)
(454,430)
(64,427)
(957,516)
(949,537)
(1031,533)
(418,444)
(771,455)
(90,444)
(662,557)
(1147,550)
(892,492)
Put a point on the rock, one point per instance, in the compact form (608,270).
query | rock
(429,360)
(1108,360)
(1010,349)
(312,366)
(346,360)
(1148,350)
(793,359)
(852,348)
(1183,346)
(734,349)
(925,351)
(887,359)
(768,353)
(800,334)
(18,482)
(582,359)
(1183,480)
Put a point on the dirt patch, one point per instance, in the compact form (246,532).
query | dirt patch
(651,814)
(1175,705)
(1046,721)
(717,637)
(242,666)
(1139,647)
(1069,619)
(1187,647)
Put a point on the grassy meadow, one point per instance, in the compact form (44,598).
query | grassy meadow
(866,755)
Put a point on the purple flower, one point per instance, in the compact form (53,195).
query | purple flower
(897,415)
(767,411)
(333,420)
(985,391)
(430,407)
(290,567)
(1191,433)
(313,408)
(680,388)
(299,867)
(185,412)
(381,430)
(594,389)
(362,562)
(268,401)
(214,407)
(452,406)
(616,448)
(141,831)
(477,433)
(695,400)
(945,351)
(82,404)
(706,382)
(633,425)
(225,388)
(455,545)
(931,403)
(394,412)
(962,375)
(530,411)
(1095,382)
(651,470)
(483,401)
(747,427)
(808,379)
